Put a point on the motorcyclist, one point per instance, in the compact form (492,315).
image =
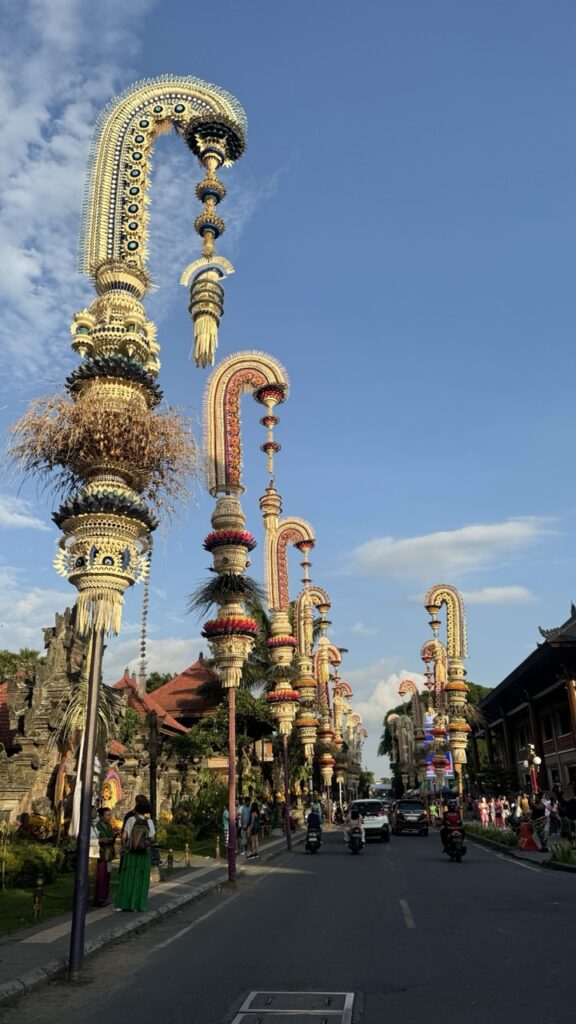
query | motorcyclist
(314,822)
(451,820)
(354,820)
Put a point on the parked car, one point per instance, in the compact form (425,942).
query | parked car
(410,816)
(376,822)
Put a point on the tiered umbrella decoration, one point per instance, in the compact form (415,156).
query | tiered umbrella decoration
(107,444)
(232,634)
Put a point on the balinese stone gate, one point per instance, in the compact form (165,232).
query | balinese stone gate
(30,769)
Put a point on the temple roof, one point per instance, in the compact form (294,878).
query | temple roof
(181,695)
(143,704)
(566,633)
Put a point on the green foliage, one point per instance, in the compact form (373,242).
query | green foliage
(130,727)
(476,692)
(157,679)
(11,662)
(563,852)
(25,861)
(201,817)
(365,780)
(210,735)
(497,835)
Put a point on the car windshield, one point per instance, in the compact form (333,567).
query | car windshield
(368,807)
(410,805)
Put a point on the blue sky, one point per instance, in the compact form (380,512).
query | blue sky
(403,231)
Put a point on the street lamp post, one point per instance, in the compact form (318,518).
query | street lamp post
(532,764)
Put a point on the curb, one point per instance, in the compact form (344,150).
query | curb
(57,966)
(556,865)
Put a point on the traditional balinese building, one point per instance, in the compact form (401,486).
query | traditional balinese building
(184,697)
(536,704)
(147,704)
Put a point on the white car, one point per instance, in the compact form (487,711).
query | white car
(376,823)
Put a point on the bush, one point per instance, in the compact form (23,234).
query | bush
(174,836)
(563,852)
(25,862)
(496,835)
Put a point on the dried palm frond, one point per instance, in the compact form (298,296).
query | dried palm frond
(60,441)
(223,587)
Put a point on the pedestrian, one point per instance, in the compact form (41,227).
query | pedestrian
(524,804)
(539,821)
(498,816)
(567,808)
(226,826)
(483,811)
(491,811)
(253,830)
(106,841)
(244,822)
(137,836)
(553,816)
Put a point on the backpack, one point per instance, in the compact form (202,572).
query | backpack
(140,836)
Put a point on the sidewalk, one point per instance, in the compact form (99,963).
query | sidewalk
(35,955)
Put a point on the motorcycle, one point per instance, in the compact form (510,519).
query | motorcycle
(313,841)
(355,843)
(455,847)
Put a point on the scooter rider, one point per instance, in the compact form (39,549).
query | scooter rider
(450,820)
(313,822)
(354,820)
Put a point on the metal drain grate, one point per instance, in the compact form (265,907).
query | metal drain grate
(296,1008)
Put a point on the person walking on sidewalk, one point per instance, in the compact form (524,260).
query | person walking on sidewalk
(253,830)
(244,819)
(137,836)
(539,822)
(106,840)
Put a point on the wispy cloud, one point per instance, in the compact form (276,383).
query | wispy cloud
(170,654)
(363,629)
(499,595)
(448,553)
(383,694)
(25,610)
(15,514)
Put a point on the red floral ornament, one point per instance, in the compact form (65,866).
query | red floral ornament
(219,537)
(226,627)
(283,695)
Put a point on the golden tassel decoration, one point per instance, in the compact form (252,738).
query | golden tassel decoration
(99,610)
(206,308)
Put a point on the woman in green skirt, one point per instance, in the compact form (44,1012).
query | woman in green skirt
(137,836)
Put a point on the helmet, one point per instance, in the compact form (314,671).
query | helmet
(451,805)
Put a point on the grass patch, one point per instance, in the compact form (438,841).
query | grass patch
(16,904)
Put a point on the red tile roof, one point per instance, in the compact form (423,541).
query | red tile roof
(115,748)
(180,695)
(142,704)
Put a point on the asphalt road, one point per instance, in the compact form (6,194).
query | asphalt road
(416,938)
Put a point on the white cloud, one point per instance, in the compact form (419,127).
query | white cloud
(384,693)
(448,553)
(169,654)
(499,595)
(25,610)
(15,514)
(363,629)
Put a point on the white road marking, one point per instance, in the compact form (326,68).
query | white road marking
(199,920)
(410,922)
(509,860)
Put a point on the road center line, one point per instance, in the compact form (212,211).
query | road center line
(199,920)
(410,922)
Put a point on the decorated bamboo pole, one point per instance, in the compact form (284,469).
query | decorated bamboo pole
(455,688)
(231,635)
(108,450)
